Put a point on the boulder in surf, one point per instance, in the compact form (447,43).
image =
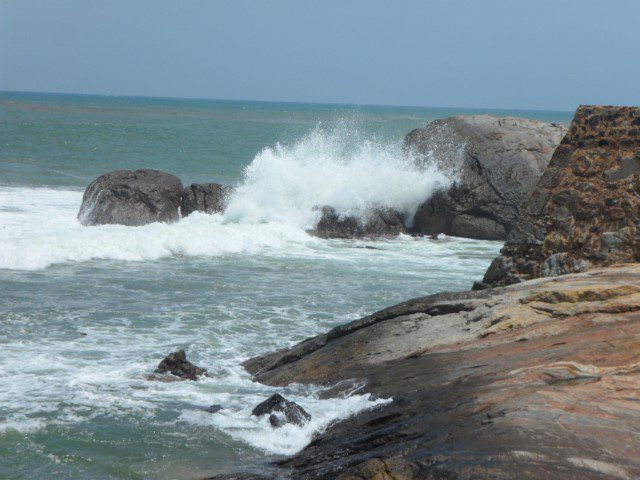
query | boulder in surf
(131,198)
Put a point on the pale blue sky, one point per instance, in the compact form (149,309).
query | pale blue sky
(546,54)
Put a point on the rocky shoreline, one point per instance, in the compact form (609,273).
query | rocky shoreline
(533,374)
(536,380)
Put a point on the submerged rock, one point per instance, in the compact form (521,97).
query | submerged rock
(495,163)
(214,408)
(205,197)
(176,363)
(378,222)
(132,198)
(281,411)
(585,210)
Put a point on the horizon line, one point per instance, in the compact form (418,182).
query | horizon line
(285,101)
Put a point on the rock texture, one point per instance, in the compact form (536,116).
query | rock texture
(585,210)
(131,198)
(536,380)
(378,222)
(176,363)
(205,197)
(495,161)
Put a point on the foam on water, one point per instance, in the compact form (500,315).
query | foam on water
(269,212)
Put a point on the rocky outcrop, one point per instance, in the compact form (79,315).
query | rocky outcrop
(132,198)
(495,163)
(281,411)
(536,380)
(377,222)
(176,364)
(205,197)
(585,210)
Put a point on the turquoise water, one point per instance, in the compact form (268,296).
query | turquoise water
(87,312)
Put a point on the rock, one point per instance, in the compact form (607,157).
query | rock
(290,412)
(176,363)
(378,222)
(132,198)
(585,210)
(495,163)
(533,381)
(205,197)
(214,408)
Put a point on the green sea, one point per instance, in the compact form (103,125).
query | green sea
(86,313)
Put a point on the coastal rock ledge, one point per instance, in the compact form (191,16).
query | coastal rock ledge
(535,380)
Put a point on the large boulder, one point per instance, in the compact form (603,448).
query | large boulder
(585,210)
(494,163)
(205,197)
(377,222)
(132,198)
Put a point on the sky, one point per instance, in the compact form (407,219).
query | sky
(529,54)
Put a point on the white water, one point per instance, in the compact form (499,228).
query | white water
(270,211)
(224,287)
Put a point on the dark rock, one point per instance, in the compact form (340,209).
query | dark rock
(205,197)
(378,222)
(214,408)
(132,198)
(177,364)
(585,210)
(291,411)
(495,163)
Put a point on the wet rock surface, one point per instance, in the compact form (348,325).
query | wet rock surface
(378,222)
(281,411)
(496,163)
(176,364)
(585,210)
(536,380)
(205,197)
(131,198)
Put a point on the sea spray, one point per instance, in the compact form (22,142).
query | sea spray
(337,167)
(270,211)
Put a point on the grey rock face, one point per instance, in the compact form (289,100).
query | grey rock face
(281,411)
(205,197)
(495,163)
(379,222)
(176,363)
(131,198)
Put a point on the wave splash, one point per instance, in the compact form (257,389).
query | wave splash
(337,167)
(270,211)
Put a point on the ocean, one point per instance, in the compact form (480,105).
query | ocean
(86,313)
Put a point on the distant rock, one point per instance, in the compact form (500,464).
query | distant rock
(281,411)
(585,210)
(205,197)
(379,222)
(132,198)
(495,163)
(176,363)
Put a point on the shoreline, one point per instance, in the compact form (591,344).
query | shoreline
(485,403)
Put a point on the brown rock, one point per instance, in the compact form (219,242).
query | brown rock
(585,210)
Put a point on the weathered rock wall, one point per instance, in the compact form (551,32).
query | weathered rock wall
(585,210)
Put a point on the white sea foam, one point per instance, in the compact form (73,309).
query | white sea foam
(270,211)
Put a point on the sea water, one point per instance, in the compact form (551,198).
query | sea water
(86,313)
